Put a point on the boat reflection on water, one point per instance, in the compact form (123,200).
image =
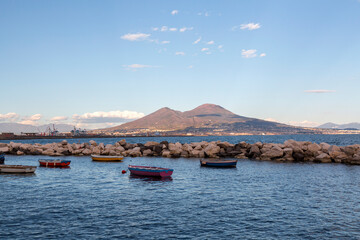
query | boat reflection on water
(150,179)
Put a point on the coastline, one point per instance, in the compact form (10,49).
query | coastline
(289,151)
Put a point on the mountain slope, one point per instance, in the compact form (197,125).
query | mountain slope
(340,126)
(205,118)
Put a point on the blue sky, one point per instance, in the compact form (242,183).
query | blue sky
(100,63)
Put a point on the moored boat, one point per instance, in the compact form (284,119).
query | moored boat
(218,163)
(103,158)
(54,162)
(2,158)
(150,171)
(17,169)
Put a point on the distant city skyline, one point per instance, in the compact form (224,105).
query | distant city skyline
(98,64)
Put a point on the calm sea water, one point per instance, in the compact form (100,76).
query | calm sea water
(257,200)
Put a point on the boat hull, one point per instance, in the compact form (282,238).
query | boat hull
(150,171)
(17,169)
(54,163)
(100,158)
(218,163)
(2,159)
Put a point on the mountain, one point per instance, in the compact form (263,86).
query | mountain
(340,126)
(18,128)
(207,118)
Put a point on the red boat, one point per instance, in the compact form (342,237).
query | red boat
(54,163)
(150,171)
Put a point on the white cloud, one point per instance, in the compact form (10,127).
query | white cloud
(155,28)
(165,42)
(31,120)
(320,91)
(204,49)
(164,29)
(9,117)
(58,119)
(250,26)
(135,36)
(197,40)
(220,46)
(172,29)
(180,53)
(205,13)
(304,123)
(174,12)
(107,117)
(251,53)
(137,66)
(186,29)
(210,42)
(191,66)
(262,54)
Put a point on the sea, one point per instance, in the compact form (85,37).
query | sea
(256,200)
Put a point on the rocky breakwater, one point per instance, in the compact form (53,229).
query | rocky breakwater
(289,151)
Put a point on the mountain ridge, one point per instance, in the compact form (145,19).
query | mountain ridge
(208,118)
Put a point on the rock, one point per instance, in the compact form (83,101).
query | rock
(314,148)
(241,156)
(4,149)
(122,142)
(272,153)
(254,151)
(93,143)
(288,154)
(119,149)
(86,152)
(151,144)
(48,152)
(166,143)
(324,158)
(325,147)
(157,149)
(96,150)
(135,152)
(64,142)
(19,152)
(3,145)
(298,156)
(187,147)
(166,153)
(212,150)
(175,149)
(148,152)
(184,154)
(350,150)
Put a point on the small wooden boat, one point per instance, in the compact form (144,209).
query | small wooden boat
(2,158)
(218,163)
(54,163)
(17,169)
(150,171)
(103,158)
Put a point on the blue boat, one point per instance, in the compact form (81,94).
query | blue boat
(218,163)
(2,158)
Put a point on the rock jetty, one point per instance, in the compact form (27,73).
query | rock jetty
(289,151)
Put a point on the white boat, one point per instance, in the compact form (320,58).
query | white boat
(17,169)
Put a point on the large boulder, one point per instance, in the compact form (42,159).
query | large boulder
(323,157)
(212,150)
(151,144)
(86,152)
(271,153)
(254,151)
(148,152)
(93,143)
(4,149)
